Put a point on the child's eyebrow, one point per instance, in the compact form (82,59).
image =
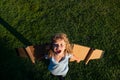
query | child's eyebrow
(55,44)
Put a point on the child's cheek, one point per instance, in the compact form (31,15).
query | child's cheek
(54,49)
(63,48)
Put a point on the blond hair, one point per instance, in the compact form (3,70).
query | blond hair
(64,37)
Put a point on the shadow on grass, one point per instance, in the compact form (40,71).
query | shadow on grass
(39,50)
(13,67)
(14,32)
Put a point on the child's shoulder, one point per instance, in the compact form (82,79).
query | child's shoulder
(69,55)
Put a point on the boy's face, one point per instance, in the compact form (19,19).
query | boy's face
(59,46)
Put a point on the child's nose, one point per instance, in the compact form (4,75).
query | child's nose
(58,47)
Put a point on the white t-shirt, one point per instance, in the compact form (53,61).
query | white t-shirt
(61,67)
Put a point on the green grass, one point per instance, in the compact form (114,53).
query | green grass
(93,23)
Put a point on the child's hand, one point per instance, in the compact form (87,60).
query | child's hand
(46,56)
(78,60)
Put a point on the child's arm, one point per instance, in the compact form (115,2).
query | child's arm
(47,56)
(75,58)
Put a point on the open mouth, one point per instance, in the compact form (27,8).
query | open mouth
(58,51)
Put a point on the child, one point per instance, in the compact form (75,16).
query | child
(59,55)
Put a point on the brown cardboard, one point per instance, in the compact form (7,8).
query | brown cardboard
(82,52)
(22,52)
(96,54)
(86,53)
(36,52)
(30,51)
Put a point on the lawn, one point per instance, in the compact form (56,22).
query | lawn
(92,23)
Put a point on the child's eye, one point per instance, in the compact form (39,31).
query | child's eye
(61,44)
(55,45)
(58,45)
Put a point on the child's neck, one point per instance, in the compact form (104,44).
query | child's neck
(60,54)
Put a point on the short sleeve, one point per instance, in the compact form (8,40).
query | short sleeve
(70,55)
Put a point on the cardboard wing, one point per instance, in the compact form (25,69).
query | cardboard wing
(27,52)
(82,52)
(33,52)
(86,53)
